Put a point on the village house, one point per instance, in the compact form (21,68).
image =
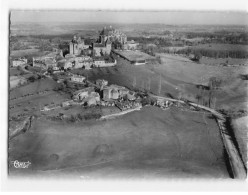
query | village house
(49,60)
(77,78)
(92,99)
(100,62)
(114,92)
(83,62)
(66,63)
(131,45)
(44,62)
(19,61)
(101,83)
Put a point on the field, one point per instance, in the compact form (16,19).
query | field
(28,53)
(221,61)
(15,81)
(224,47)
(21,53)
(240,127)
(145,144)
(30,98)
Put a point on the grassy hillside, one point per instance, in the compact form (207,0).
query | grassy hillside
(150,143)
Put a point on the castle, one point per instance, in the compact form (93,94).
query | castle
(106,37)
(109,33)
(102,46)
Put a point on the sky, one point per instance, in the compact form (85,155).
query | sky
(164,17)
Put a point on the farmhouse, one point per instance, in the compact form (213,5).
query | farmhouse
(114,92)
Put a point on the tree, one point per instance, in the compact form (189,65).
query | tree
(50,70)
(32,78)
(159,59)
(196,56)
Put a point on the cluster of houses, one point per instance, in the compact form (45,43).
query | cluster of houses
(102,94)
(82,55)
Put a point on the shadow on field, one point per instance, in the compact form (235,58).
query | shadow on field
(228,165)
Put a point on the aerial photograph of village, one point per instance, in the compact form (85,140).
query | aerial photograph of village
(108,95)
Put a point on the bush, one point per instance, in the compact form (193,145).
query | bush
(32,78)
(146,101)
(92,116)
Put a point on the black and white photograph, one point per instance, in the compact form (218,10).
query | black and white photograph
(126,94)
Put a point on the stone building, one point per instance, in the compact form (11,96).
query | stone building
(78,78)
(77,45)
(131,45)
(114,92)
(104,44)
(111,34)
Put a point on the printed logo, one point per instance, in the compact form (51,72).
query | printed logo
(20,165)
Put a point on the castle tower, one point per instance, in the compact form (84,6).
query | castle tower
(71,48)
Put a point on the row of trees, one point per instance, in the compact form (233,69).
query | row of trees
(212,53)
(207,95)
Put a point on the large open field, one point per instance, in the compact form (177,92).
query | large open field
(221,61)
(145,144)
(240,127)
(226,47)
